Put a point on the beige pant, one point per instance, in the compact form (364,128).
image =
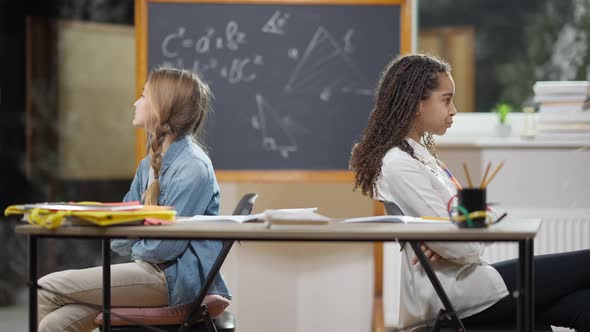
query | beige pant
(132,284)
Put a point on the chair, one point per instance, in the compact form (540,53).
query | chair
(447,319)
(206,313)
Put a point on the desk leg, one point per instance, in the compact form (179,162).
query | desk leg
(520,280)
(106,284)
(525,286)
(32,283)
(530,290)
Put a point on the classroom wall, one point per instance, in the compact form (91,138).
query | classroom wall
(95,95)
(296,287)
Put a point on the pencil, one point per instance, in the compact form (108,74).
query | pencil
(500,217)
(485,175)
(493,174)
(435,218)
(467,175)
(449,174)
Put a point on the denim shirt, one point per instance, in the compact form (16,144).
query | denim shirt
(187,183)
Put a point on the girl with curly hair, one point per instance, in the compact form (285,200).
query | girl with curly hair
(395,161)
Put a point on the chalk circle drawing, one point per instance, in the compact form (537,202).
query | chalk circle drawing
(326,68)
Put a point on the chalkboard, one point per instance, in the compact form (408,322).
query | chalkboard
(293,82)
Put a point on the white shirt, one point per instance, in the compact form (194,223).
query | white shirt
(422,188)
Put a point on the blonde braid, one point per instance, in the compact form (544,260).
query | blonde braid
(180,103)
(153,191)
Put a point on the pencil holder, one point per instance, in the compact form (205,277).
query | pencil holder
(472,207)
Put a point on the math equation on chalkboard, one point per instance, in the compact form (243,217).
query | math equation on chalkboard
(293,84)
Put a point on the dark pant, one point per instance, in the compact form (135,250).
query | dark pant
(562,292)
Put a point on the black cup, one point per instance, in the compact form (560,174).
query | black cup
(472,199)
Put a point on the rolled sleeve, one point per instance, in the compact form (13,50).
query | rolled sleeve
(459,252)
(122,247)
(158,251)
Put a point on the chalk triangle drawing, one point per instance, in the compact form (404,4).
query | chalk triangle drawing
(326,68)
(275,129)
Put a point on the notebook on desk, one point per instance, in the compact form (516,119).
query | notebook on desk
(275,216)
(52,215)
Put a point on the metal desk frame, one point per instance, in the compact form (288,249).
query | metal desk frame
(522,232)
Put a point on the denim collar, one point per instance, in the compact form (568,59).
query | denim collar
(179,144)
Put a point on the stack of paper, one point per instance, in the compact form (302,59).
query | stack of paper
(295,217)
(563,109)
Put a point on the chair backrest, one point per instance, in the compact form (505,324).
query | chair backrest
(245,205)
(392,209)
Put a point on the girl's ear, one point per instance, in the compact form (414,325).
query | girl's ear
(419,111)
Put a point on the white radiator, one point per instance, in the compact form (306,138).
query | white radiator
(561,230)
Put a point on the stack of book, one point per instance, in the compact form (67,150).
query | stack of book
(564,110)
(52,215)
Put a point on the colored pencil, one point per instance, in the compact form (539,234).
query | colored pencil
(493,174)
(467,175)
(485,175)
(450,175)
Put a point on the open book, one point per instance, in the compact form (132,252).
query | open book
(279,216)
(238,219)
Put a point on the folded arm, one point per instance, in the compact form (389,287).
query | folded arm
(423,198)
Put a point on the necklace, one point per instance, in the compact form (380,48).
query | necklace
(443,167)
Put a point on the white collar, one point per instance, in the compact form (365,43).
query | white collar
(421,151)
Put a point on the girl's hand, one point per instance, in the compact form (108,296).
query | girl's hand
(429,253)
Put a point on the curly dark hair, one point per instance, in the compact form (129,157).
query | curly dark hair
(404,83)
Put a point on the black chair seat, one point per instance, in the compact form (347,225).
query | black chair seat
(226,322)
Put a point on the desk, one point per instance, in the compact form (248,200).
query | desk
(521,231)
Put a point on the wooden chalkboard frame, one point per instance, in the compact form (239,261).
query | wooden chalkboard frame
(272,176)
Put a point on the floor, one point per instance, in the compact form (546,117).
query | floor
(14,318)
